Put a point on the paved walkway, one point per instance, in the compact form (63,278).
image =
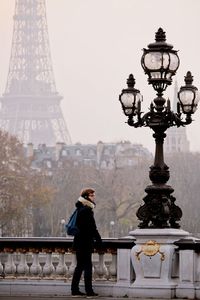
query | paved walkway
(59,298)
(67,298)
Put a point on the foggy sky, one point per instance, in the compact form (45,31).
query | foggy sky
(95,45)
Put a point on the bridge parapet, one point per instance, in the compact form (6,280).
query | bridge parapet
(42,260)
(44,266)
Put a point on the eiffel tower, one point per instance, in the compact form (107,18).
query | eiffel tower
(30,105)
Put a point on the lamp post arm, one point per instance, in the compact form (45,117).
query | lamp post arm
(141,121)
(179,122)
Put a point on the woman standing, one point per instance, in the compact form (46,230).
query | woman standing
(83,243)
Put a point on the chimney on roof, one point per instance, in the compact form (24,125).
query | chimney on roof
(59,147)
(30,151)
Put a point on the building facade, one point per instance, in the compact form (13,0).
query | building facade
(101,155)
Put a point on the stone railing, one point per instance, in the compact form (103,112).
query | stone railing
(189,268)
(44,266)
(41,261)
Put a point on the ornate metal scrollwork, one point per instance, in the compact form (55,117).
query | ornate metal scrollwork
(151,248)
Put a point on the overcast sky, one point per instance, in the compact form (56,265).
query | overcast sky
(95,45)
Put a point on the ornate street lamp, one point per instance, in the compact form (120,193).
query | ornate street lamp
(160,62)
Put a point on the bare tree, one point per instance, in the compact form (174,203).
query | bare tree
(13,185)
(23,192)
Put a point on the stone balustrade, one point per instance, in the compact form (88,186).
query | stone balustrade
(31,260)
(44,266)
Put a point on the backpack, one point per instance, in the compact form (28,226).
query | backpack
(71,227)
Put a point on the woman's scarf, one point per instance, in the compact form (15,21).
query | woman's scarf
(86,202)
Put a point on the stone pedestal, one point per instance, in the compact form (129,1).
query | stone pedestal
(154,261)
(187,280)
(125,273)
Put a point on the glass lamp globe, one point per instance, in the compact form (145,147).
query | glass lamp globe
(160,62)
(130,98)
(188,95)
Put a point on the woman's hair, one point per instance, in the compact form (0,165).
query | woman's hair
(86,192)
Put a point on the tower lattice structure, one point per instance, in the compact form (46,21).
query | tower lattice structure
(30,105)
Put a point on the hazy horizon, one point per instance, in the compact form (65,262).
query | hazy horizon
(95,45)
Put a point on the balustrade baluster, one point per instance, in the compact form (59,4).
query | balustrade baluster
(101,269)
(35,268)
(10,267)
(48,268)
(61,268)
(72,265)
(22,268)
(1,267)
(113,266)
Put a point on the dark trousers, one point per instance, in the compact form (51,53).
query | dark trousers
(84,264)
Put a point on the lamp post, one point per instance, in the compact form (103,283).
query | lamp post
(112,228)
(160,62)
(62,223)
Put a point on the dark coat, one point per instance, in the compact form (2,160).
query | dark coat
(88,233)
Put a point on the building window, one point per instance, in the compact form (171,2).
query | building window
(78,152)
(106,152)
(91,152)
(48,163)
